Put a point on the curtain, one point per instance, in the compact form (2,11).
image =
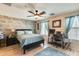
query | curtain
(74,32)
(78,28)
(44,28)
(78,18)
(68,25)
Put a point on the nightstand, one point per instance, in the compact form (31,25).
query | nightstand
(11,40)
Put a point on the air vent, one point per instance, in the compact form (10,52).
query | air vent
(52,13)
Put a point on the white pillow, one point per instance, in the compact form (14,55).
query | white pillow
(28,32)
(20,32)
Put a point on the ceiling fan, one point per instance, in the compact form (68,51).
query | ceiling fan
(36,13)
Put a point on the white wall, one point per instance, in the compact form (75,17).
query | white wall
(14,23)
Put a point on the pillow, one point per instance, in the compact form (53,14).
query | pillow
(28,32)
(20,32)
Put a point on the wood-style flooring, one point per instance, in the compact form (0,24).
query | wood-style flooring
(15,50)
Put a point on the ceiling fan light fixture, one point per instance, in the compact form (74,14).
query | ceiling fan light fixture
(36,17)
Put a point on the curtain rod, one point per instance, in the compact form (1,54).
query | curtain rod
(71,16)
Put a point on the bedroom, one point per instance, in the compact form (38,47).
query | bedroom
(17,19)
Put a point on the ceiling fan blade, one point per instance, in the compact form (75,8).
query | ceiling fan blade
(29,16)
(30,12)
(42,13)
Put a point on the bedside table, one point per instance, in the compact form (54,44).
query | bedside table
(11,40)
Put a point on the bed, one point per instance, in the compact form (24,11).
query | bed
(27,39)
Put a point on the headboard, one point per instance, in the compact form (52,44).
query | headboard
(23,29)
(28,31)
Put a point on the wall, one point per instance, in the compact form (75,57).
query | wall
(9,23)
(75,45)
(62,17)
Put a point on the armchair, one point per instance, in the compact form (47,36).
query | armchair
(58,39)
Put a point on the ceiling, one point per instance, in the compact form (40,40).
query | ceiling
(49,8)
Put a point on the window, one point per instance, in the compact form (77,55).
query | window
(44,28)
(74,32)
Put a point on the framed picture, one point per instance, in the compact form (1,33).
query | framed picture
(37,26)
(56,23)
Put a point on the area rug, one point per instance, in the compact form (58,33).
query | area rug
(50,52)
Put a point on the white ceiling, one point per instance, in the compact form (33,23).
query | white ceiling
(49,7)
(56,8)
